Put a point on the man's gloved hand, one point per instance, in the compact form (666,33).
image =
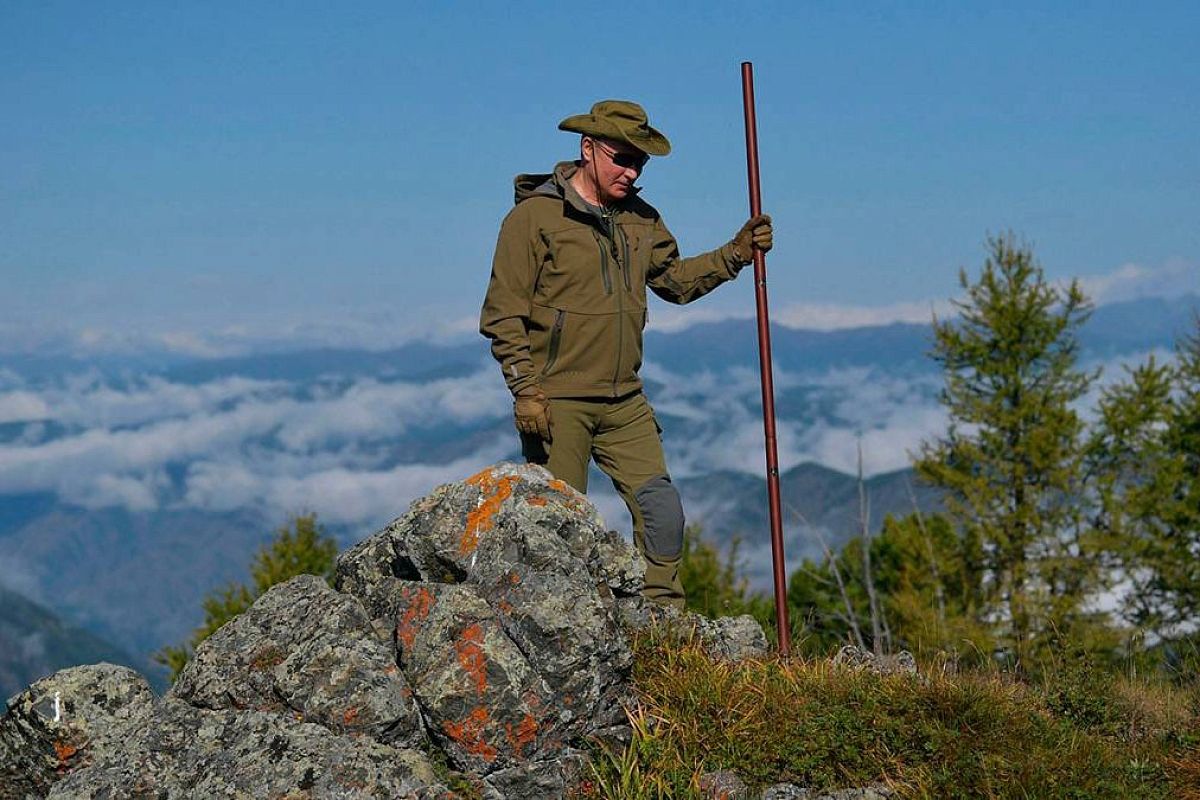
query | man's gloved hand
(531,412)
(755,234)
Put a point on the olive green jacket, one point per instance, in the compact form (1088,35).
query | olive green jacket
(566,303)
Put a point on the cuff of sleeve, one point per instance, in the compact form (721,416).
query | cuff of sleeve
(732,262)
(518,385)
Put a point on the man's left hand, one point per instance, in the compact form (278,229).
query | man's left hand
(756,234)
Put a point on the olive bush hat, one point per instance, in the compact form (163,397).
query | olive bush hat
(621,120)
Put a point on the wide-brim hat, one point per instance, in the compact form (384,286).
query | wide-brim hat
(622,121)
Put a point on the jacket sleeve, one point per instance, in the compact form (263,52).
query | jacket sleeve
(682,280)
(504,318)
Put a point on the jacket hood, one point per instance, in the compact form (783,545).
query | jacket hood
(543,184)
(554,184)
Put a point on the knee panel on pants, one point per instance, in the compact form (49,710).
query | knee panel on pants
(662,516)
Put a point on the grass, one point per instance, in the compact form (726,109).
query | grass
(1080,733)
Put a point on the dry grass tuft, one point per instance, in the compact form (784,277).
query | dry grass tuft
(973,734)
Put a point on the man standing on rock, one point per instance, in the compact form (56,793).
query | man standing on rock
(565,309)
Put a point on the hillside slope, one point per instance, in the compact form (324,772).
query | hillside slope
(34,642)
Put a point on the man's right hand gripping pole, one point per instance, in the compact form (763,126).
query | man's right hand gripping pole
(531,412)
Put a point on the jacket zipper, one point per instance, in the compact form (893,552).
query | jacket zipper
(620,315)
(624,254)
(608,289)
(560,319)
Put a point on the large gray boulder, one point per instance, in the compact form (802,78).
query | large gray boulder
(185,752)
(304,649)
(499,591)
(72,718)
(486,630)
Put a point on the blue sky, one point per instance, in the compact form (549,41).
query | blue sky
(183,170)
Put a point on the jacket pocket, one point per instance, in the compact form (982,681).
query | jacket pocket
(560,319)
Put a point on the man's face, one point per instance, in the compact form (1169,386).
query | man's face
(614,166)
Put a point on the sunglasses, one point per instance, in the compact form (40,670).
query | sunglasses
(623,160)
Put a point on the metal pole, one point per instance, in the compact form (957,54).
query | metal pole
(764,362)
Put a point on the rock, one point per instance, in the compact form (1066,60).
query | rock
(790,791)
(481,626)
(499,509)
(726,638)
(71,718)
(303,648)
(181,752)
(866,793)
(733,638)
(499,590)
(723,785)
(540,779)
(901,663)
(487,707)
(726,785)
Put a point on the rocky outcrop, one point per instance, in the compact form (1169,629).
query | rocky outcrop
(727,785)
(181,751)
(856,658)
(499,592)
(65,721)
(306,651)
(484,630)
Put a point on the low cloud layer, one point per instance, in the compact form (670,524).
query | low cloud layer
(360,451)
(357,451)
(233,442)
(1133,281)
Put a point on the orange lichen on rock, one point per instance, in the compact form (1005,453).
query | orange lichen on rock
(469,733)
(570,498)
(420,604)
(536,500)
(523,736)
(64,751)
(494,491)
(349,716)
(471,657)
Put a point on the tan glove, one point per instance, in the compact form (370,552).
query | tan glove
(531,412)
(755,234)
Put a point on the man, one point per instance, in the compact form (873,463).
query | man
(565,309)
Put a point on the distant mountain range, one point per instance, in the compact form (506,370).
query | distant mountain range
(34,642)
(146,483)
(1114,329)
(134,578)
(814,499)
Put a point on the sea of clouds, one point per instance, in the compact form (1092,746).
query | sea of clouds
(147,443)
(358,449)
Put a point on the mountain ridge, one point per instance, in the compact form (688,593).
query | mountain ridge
(35,642)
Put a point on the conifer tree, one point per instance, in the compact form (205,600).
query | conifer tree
(1181,507)
(1145,455)
(1011,458)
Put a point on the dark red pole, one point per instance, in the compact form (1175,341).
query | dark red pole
(764,363)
